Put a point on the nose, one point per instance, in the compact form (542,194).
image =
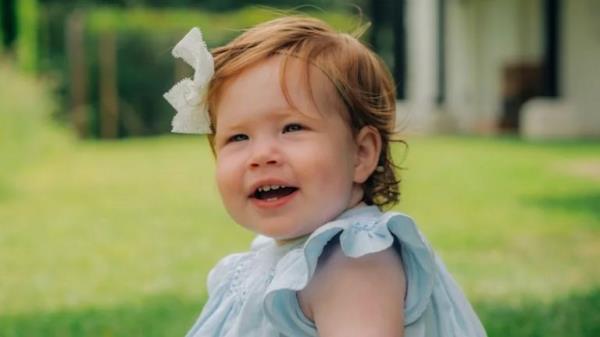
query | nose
(265,153)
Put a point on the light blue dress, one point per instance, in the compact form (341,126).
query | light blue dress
(253,294)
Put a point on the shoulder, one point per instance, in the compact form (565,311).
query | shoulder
(371,265)
(347,291)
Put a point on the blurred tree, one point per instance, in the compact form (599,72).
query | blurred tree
(8,18)
(126,43)
(217,5)
(118,65)
(388,38)
(27,34)
(19,31)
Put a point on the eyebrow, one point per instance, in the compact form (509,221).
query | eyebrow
(279,113)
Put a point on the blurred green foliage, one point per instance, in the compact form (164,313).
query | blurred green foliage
(217,27)
(215,5)
(28,29)
(19,30)
(1,33)
(27,131)
(145,67)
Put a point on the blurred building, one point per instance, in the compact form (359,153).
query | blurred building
(484,66)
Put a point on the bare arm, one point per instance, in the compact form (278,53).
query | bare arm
(356,296)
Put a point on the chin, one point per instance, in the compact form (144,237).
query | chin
(280,235)
(280,232)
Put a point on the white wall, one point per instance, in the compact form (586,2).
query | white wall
(421,65)
(581,62)
(462,63)
(484,36)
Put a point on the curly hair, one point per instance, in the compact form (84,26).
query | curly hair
(359,76)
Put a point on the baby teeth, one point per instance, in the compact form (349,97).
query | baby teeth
(269,187)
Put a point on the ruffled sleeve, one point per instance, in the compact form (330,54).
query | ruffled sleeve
(361,232)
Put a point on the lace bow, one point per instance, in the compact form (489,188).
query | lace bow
(188,96)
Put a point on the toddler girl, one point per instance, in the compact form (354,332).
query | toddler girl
(300,118)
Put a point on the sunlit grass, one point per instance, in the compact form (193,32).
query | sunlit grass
(108,222)
(509,217)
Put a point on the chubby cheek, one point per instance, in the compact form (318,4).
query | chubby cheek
(228,181)
(333,180)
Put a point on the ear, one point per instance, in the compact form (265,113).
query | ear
(368,142)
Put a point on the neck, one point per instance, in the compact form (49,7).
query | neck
(357,196)
(282,242)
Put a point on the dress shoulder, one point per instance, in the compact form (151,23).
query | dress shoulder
(231,263)
(360,232)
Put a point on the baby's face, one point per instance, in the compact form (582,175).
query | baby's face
(283,172)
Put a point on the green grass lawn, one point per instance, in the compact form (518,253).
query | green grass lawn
(115,238)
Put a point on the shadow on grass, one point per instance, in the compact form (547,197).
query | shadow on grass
(577,315)
(163,315)
(584,203)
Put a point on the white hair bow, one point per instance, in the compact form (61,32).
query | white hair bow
(188,96)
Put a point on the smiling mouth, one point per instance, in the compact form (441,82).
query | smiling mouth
(273,192)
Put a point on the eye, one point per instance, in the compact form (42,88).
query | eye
(238,137)
(293,127)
